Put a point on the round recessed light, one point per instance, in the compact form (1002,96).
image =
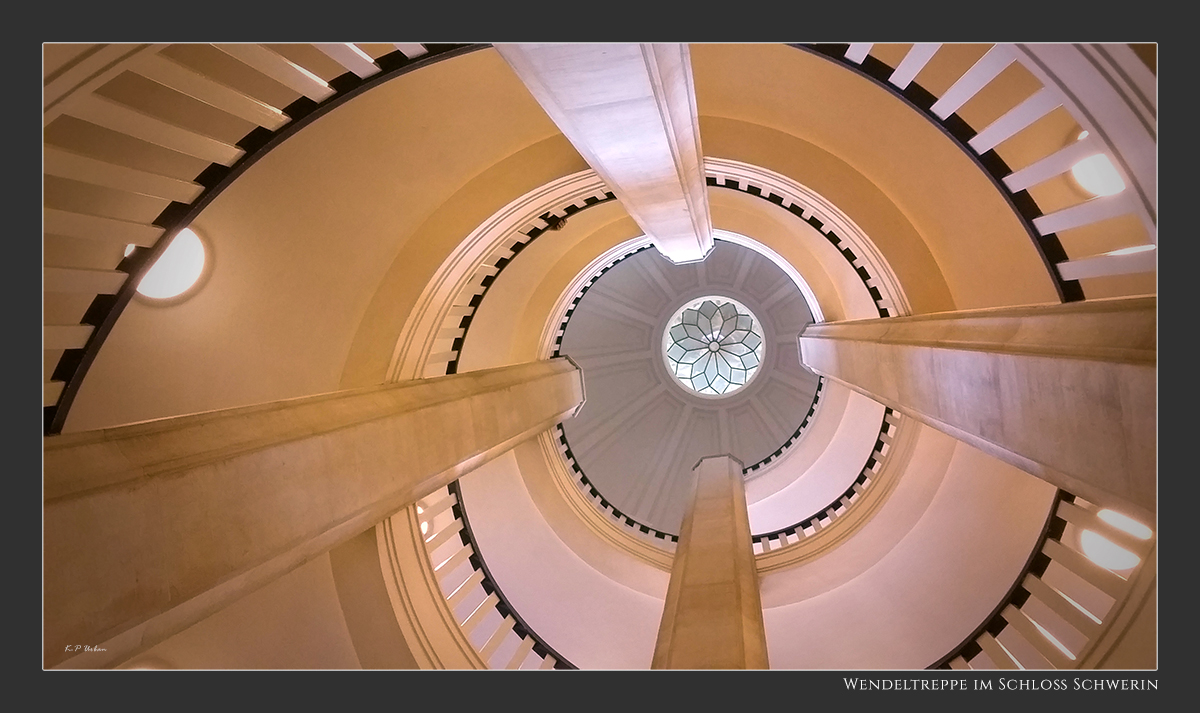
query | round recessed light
(1125,523)
(1096,174)
(177,269)
(1105,553)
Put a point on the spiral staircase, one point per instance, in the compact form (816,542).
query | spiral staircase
(382,213)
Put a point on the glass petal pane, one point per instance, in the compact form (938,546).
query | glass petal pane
(723,368)
(736,336)
(735,331)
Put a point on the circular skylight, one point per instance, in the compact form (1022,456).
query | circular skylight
(713,346)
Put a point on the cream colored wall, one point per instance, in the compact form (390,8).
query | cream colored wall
(295,622)
(592,619)
(366,605)
(323,244)
(902,599)
(407,275)
(852,142)
(56,58)
(843,186)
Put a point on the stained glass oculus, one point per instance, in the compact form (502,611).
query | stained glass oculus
(713,345)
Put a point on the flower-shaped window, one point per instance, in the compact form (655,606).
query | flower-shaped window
(713,346)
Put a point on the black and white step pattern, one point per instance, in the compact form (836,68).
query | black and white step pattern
(795,435)
(942,112)
(550,657)
(188,198)
(471,297)
(808,527)
(588,489)
(562,327)
(882,304)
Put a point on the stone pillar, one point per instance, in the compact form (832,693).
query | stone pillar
(1066,392)
(630,111)
(150,527)
(712,618)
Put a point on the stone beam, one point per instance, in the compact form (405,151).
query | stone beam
(630,111)
(1066,392)
(712,617)
(150,527)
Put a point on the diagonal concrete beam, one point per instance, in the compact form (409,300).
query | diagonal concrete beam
(630,111)
(151,527)
(1066,392)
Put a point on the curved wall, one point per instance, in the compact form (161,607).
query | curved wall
(323,247)
(920,576)
(857,145)
(591,619)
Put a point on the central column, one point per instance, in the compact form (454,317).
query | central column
(713,616)
(630,111)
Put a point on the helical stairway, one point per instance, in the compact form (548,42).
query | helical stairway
(382,213)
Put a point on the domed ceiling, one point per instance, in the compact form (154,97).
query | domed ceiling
(643,429)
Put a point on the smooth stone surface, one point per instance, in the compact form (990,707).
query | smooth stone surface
(713,618)
(153,526)
(1065,392)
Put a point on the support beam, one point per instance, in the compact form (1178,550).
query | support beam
(630,111)
(150,527)
(1066,392)
(713,616)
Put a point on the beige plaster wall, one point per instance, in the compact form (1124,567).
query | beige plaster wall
(591,618)
(843,186)
(934,582)
(295,622)
(323,244)
(850,136)
(509,321)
